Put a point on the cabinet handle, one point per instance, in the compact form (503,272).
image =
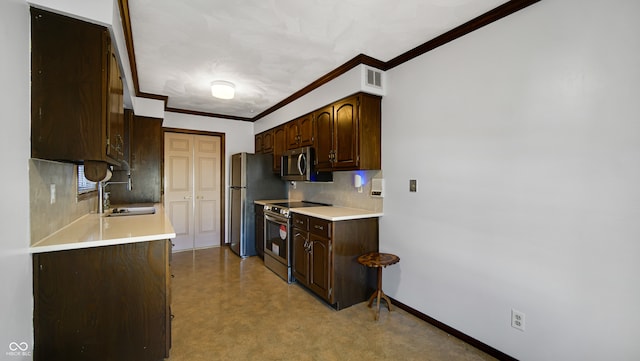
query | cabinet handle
(318,227)
(188,197)
(332,156)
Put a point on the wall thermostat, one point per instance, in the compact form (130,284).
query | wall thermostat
(377,187)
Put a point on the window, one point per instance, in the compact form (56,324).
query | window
(85,186)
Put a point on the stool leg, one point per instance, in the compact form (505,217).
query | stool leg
(379,292)
(387,299)
(373,295)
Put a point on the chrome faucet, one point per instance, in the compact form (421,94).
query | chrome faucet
(102,186)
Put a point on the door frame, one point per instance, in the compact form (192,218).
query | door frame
(223,159)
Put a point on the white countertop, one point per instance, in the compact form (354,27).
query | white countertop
(336,213)
(267,201)
(330,213)
(95,230)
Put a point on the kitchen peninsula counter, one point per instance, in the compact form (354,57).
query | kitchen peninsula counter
(329,213)
(97,230)
(334,213)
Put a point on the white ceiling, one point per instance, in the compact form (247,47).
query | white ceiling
(271,49)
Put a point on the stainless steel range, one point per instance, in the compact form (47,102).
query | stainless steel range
(277,236)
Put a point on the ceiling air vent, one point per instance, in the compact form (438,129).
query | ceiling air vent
(373,80)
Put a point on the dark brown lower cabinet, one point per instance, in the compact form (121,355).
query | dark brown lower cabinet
(325,258)
(103,303)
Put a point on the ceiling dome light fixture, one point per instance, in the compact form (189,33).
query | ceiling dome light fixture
(223,89)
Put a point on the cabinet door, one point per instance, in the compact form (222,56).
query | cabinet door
(69,68)
(320,267)
(102,303)
(258,144)
(345,134)
(292,131)
(144,155)
(115,116)
(323,144)
(279,147)
(300,256)
(267,141)
(306,131)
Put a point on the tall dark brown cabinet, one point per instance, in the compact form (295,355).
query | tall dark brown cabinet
(76,91)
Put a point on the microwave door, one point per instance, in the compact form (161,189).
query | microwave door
(302,164)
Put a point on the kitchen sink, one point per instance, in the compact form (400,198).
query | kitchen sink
(131,211)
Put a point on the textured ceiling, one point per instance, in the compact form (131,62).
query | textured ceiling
(271,49)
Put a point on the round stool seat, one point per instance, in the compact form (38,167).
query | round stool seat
(375,259)
(378,260)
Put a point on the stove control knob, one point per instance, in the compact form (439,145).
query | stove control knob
(285,212)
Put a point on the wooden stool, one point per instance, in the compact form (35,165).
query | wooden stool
(378,260)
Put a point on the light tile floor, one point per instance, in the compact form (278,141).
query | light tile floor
(231,309)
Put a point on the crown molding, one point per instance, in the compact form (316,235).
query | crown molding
(487,18)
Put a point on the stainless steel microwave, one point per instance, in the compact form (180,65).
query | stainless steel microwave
(298,165)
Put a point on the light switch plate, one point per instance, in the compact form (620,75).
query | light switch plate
(413,185)
(52,193)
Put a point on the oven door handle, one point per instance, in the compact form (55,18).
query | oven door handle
(275,220)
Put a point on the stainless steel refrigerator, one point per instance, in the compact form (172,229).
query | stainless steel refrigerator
(252,178)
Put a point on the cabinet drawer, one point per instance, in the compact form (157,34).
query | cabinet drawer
(300,221)
(320,227)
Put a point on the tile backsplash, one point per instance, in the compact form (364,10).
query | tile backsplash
(341,192)
(46,218)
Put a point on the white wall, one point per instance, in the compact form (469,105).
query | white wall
(528,136)
(238,136)
(16,301)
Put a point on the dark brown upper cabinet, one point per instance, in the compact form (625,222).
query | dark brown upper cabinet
(279,147)
(267,141)
(258,148)
(348,134)
(299,132)
(143,153)
(76,93)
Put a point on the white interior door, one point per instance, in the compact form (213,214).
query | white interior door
(192,189)
(178,184)
(207,163)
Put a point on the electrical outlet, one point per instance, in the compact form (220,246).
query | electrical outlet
(517,319)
